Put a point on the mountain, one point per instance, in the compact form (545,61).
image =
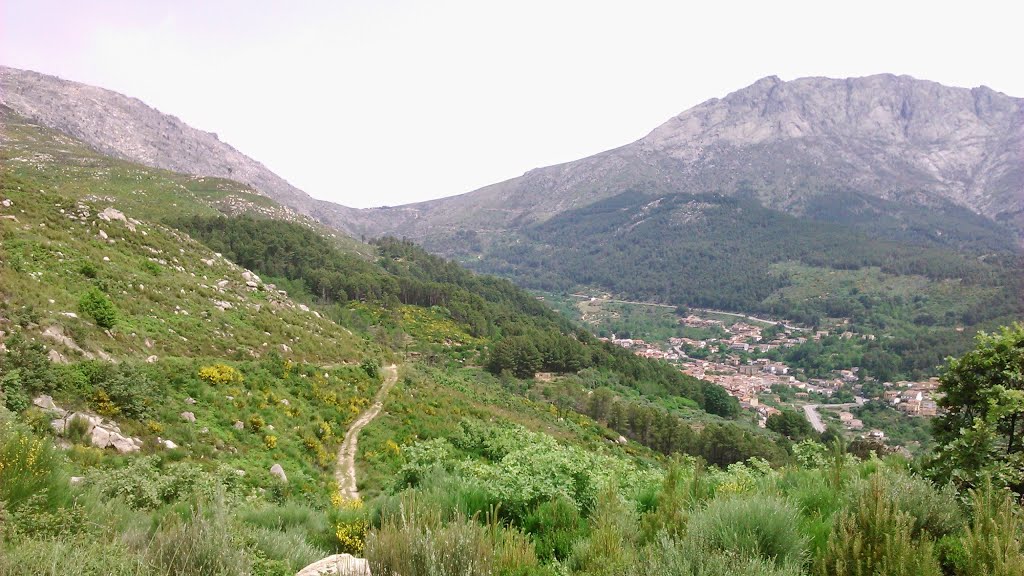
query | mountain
(127,128)
(894,144)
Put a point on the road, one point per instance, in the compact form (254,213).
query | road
(707,310)
(345,472)
(811,412)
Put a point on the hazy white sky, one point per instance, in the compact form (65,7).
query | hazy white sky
(379,102)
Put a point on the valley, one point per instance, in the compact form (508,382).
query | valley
(727,364)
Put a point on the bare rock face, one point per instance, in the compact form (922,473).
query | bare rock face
(891,137)
(127,128)
(340,564)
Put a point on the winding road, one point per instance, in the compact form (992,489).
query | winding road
(345,473)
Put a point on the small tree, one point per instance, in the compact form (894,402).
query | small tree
(96,305)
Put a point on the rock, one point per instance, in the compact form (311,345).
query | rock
(239,472)
(46,403)
(188,417)
(60,425)
(340,564)
(223,283)
(76,480)
(106,258)
(252,284)
(621,440)
(103,234)
(7,203)
(285,348)
(238,425)
(170,445)
(285,402)
(151,359)
(223,305)
(69,314)
(250,277)
(148,343)
(56,357)
(208,261)
(278,472)
(303,307)
(190,401)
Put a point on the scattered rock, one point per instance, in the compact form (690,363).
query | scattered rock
(76,480)
(56,357)
(285,348)
(250,277)
(106,258)
(7,203)
(621,440)
(239,472)
(69,314)
(103,234)
(46,403)
(238,425)
(303,307)
(170,445)
(208,261)
(151,359)
(188,416)
(252,284)
(278,472)
(190,401)
(223,283)
(340,564)
(285,402)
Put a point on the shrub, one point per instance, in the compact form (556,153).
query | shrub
(993,544)
(752,525)
(88,269)
(418,543)
(934,511)
(256,423)
(96,305)
(610,548)
(875,537)
(29,466)
(84,556)
(200,544)
(270,441)
(221,374)
(668,557)
(555,525)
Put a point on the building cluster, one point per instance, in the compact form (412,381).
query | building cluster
(913,398)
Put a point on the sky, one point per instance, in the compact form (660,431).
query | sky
(386,102)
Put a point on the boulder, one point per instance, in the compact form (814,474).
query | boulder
(46,403)
(621,440)
(76,480)
(250,277)
(151,359)
(190,401)
(188,416)
(341,564)
(278,472)
(170,445)
(239,425)
(56,357)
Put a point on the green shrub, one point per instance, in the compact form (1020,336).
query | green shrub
(83,556)
(96,305)
(875,537)
(555,526)
(610,549)
(752,525)
(993,544)
(199,544)
(30,468)
(419,543)
(668,557)
(934,511)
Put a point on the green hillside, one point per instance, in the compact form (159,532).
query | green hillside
(733,254)
(182,359)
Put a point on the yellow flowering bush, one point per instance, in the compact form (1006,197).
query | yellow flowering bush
(220,374)
(270,441)
(352,524)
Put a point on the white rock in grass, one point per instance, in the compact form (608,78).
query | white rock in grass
(278,472)
(188,416)
(340,564)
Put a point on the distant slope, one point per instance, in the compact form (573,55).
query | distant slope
(127,128)
(915,145)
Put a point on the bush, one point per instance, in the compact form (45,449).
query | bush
(555,526)
(200,544)
(994,543)
(875,537)
(30,467)
(220,374)
(84,556)
(668,557)
(613,531)
(96,305)
(418,542)
(752,525)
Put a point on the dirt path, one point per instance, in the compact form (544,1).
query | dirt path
(345,472)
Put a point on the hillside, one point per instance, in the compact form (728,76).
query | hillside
(126,128)
(902,145)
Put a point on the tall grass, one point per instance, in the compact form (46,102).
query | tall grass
(79,556)
(199,544)
(993,544)
(668,557)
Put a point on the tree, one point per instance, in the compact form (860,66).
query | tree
(718,401)
(982,428)
(790,424)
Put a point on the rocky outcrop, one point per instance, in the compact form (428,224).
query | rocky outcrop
(101,433)
(891,137)
(340,564)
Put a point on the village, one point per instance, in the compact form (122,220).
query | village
(732,360)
